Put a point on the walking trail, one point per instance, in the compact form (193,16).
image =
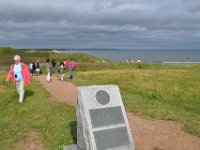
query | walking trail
(147,134)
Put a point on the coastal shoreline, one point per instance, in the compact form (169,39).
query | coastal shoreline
(180,62)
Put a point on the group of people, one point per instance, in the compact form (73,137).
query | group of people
(51,67)
(20,72)
(35,68)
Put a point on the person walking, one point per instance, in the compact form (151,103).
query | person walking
(61,70)
(53,62)
(48,67)
(33,69)
(31,66)
(37,67)
(19,71)
(71,66)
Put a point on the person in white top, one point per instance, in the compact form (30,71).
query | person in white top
(19,71)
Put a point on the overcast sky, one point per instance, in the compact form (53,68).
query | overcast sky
(100,23)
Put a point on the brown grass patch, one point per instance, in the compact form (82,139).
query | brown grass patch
(31,141)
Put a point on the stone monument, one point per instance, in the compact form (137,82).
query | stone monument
(101,120)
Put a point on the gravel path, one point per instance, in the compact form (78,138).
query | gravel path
(60,91)
(147,134)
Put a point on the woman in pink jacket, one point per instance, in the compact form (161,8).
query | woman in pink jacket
(71,66)
(19,71)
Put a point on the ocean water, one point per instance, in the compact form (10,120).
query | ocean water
(147,56)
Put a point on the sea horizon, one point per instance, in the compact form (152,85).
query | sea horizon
(145,55)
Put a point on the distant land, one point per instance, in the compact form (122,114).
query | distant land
(68,49)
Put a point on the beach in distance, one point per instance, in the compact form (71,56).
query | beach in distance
(146,56)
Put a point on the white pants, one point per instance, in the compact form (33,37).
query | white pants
(48,77)
(62,77)
(20,90)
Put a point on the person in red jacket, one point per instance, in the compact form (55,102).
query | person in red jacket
(19,71)
(71,66)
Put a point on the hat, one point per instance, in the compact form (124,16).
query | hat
(17,57)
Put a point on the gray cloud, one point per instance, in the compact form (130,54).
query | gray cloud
(100,24)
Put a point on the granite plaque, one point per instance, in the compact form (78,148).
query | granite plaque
(111,138)
(106,116)
(102,123)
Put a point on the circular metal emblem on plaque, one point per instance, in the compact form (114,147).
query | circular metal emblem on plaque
(102,97)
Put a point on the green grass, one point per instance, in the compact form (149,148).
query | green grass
(161,92)
(7,54)
(56,121)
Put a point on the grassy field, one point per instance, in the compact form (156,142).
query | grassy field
(161,92)
(56,121)
(168,92)
(7,54)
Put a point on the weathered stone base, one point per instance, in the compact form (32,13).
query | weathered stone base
(71,147)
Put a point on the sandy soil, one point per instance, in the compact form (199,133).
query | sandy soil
(147,134)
